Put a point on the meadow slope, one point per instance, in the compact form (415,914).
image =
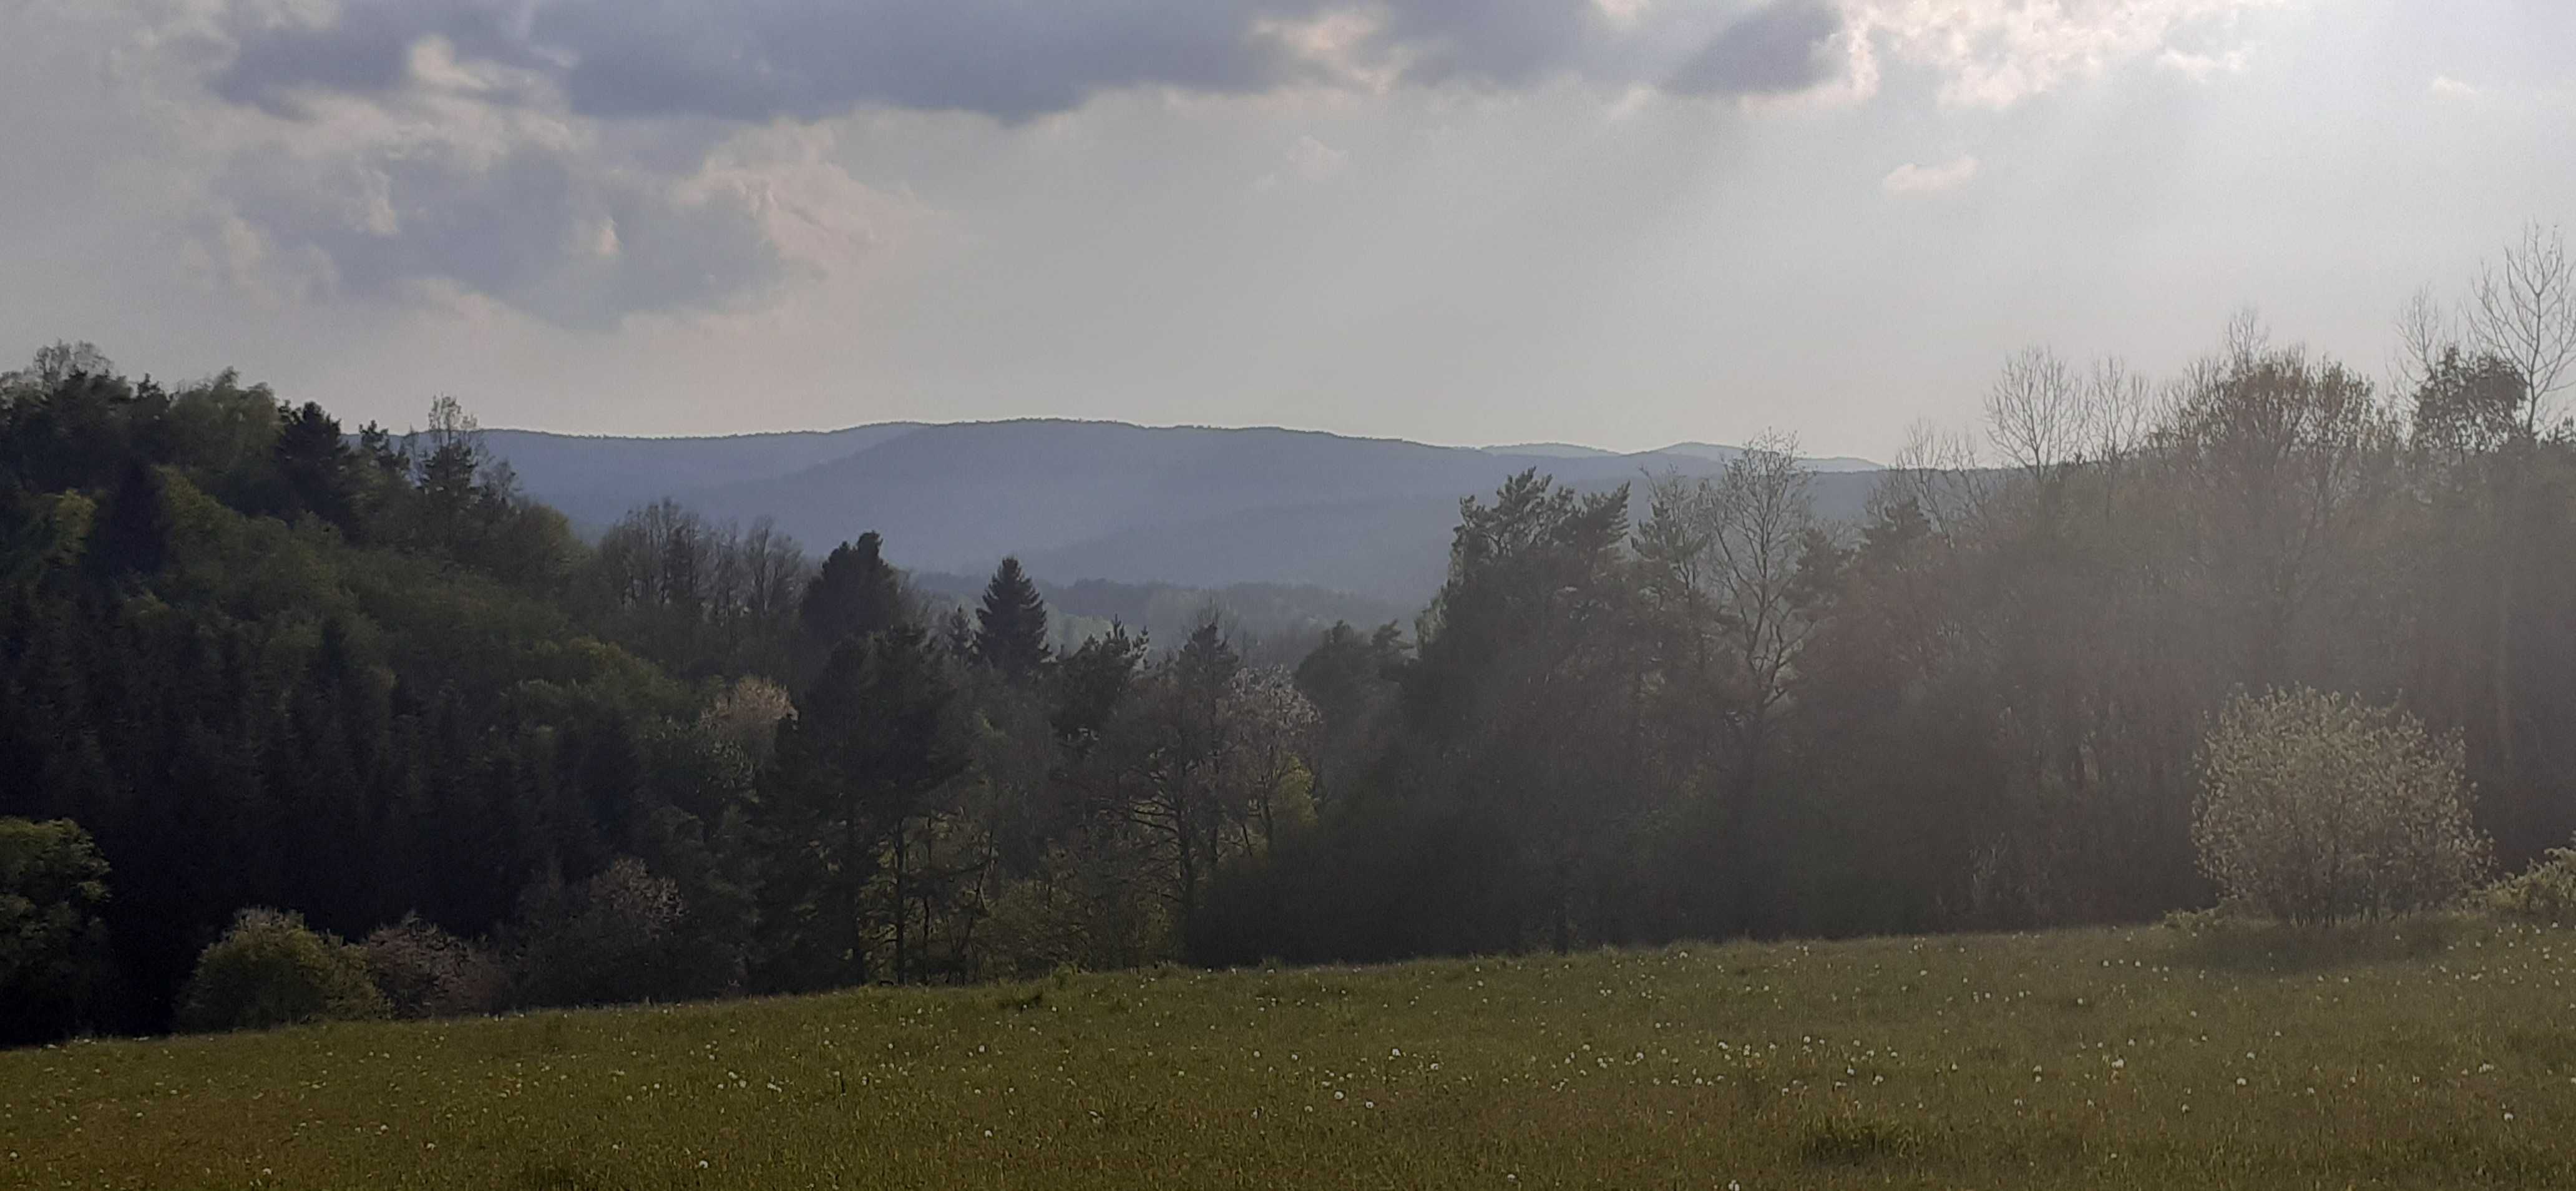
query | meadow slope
(2429,1055)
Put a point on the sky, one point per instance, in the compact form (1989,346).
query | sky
(1623,223)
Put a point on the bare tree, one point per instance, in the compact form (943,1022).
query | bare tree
(2523,311)
(1938,471)
(2424,332)
(2119,409)
(2038,414)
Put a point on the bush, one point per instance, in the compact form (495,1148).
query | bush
(2545,892)
(426,972)
(270,969)
(2318,808)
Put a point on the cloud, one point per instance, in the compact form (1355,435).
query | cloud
(2200,67)
(1910,179)
(757,60)
(1997,53)
(2446,87)
(568,158)
(1774,50)
(539,228)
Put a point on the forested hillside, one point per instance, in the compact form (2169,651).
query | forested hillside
(248,660)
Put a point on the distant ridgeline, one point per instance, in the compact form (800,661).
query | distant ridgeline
(1190,507)
(297,722)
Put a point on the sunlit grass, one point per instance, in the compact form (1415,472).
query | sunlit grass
(2429,1055)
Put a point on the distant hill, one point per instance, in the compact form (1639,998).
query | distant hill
(595,479)
(1193,507)
(1550,450)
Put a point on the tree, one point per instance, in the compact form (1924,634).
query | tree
(613,938)
(1742,561)
(1162,756)
(2522,310)
(2316,808)
(2037,416)
(1272,732)
(1521,700)
(53,938)
(2468,406)
(1093,682)
(314,462)
(55,363)
(871,742)
(1011,627)
(426,972)
(855,595)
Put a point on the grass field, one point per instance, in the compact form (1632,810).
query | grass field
(2430,1055)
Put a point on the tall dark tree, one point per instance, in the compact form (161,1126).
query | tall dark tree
(873,740)
(1011,627)
(316,467)
(855,595)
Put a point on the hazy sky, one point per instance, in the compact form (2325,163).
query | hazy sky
(1619,222)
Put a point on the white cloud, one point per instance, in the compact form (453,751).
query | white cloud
(1997,53)
(1910,178)
(2446,87)
(2199,67)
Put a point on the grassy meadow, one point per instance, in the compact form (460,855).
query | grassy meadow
(2437,1054)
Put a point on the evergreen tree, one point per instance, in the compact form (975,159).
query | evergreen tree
(1011,627)
(873,739)
(855,595)
(316,467)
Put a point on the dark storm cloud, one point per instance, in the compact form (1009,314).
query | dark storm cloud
(1775,50)
(752,60)
(538,229)
(366,49)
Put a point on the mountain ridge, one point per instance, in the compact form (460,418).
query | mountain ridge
(1076,499)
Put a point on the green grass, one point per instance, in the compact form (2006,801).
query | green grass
(2429,1055)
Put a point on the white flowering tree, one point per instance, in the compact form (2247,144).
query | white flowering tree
(2316,808)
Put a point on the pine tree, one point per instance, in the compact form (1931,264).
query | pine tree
(314,462)
(1011,627)
(872,740)
(855,595)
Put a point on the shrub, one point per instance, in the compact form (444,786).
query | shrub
(2317,808)
(426,972)
(270,969)
(2545,892)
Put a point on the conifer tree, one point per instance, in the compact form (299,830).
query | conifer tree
(855,595)
(1011,627)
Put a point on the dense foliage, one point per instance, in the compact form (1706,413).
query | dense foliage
(272,970)
(2316,808)
(263,662)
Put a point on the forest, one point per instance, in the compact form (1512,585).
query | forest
(357,683)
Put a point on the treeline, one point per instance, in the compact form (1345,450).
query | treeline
(359,684)
(262,663)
